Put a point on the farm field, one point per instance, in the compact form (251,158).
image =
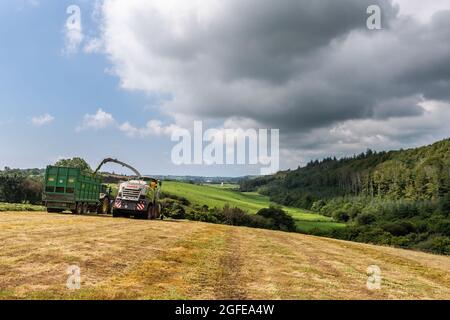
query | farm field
(19,207)
(138,259)
(216,196)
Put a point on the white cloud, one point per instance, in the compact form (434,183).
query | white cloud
(420,9)
(355,136)
(100,120)
(292,73)
(267,64)
(73,30)
(43,120)
(93,45)
(153,127)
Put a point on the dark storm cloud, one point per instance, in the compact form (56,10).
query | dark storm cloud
(269,40)
(302,66)
(366,74)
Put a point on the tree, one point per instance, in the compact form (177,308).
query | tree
(74,163)
(279,218)
(234,216)
(365,219)
(11,189)
(444,205)
(32,190)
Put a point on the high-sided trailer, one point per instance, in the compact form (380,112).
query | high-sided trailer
(70,189)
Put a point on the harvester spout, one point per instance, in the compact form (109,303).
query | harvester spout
(123,164)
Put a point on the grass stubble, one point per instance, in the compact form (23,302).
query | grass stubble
(138,259)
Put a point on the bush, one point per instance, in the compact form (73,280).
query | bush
(441,226)
(375,236)
(279,219)
(17,188)
(365,219)
(436,244)
(318,205)
(444,205)
(341,216)
(235,216)
(256,221)
(173,209)
(403,223)
(399,228)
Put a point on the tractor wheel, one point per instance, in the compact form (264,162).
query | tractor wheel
(104,207)
(111,206)
(158,211)
(79,208)
(140,216)
(150,213)
(85,208)
(116,213)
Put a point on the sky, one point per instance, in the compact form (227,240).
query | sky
(118,81)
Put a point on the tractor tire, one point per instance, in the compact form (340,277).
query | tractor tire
(150,213)
(104,207)
(157,211)
(85,208)
(111,206)
(140,216)
(116,213)
(79,208)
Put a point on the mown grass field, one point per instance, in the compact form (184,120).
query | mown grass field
(217,196)
(138,259)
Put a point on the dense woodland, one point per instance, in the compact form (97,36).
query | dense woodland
(396,198)
(416,174)
(25,185)
(21,186)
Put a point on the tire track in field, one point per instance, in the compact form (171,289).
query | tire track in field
(229,284)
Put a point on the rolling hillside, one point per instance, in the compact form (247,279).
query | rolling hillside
(415,174)
(216,196)
(137,259)
(399,198)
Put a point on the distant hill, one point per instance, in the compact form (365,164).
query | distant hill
(399,198)
(416,174)
(35,172)
(115,178)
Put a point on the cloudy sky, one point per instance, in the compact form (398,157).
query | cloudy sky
(117,82)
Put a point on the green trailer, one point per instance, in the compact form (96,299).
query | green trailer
(70,189)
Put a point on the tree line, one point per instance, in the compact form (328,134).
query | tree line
(26,185)
(399,198)
(21,186)
(415,175)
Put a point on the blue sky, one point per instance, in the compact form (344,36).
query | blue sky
(232,64)
(38,78)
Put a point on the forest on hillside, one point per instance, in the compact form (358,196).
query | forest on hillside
(396,198)
(416,174)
